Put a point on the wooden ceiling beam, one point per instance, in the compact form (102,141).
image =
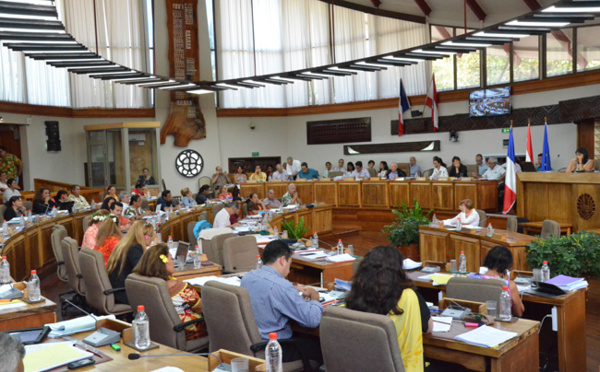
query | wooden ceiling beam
(423,6)
(477,10)
(377,12)
(532,4)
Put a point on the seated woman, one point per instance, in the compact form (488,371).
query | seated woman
(141,190)
(239,176)
(111,192)
(498,261)
(224,194)
(349,169)
(458,169)
(255,205)
(187,198)
(42,202)
(467,216)
(107,202)
(89,238)
(11,190)
(158,263)
(381,287)
(439,169)
(146,178)
(126,256)
(135,211)
(383,170)
(14,208)
(109,235)
(581,162)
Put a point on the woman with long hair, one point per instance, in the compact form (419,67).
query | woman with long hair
(383,169)
(349,169)
(109,235)
(42,201)
(126,256)
(458,169)
(107,202)
(380,286)
(255,205)
(89,238)
(439,168)
(186,197)
(158,263)
(581,162)
(239,176)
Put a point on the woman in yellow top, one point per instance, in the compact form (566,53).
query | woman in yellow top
(380,286)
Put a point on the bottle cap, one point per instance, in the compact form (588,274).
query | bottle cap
(339,240)
(169,236)
(505,288)
(258,256)
(545,262)
(462,252)
(273,336)
(315,232)
(141,308)
(34,272)
(4,257)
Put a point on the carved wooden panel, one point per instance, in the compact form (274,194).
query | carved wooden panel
(338,131)
(249,188)
(442,194)
(463,122)
(399,192)
(433,245)
(383,148)
(249,164)
(580,109)
(349,194)
(421,191)
(375,194)
(326,192)
(305,191)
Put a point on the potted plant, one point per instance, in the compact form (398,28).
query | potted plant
(295,231)
(576,255)
(403,233)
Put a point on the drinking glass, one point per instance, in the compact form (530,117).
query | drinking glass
(453,266)
(537,275)
(492,307)
(180,262)
(197,259)
(239,365)
(351,250)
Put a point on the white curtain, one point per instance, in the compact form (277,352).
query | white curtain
(295,34)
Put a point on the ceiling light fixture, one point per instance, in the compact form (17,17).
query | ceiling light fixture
(573,9)
(462,43)
(491,34)
(536,23)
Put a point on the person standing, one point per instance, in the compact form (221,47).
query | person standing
(10,164)
(292,167)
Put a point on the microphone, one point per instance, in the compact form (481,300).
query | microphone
(136,356)
(103,336)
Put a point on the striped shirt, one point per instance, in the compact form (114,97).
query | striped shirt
(275,300)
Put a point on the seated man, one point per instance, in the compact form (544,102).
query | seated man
(222,219)
(270,202)
(258,174)
(360,173)
(308,173)
(203,193)
(135,211)
(3,181)
(481,166)
(341,167)
(124,199)
(538,165)
(494,171)
(327,169)
(12,353)
(415,169)
(280,174)
(219,178)
(275,301)
(291,196)
(165,201)
(80,202)
(395,172)
(116,209)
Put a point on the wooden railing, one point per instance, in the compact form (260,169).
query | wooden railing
(87,192)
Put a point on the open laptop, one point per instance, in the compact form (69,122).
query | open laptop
(528,166)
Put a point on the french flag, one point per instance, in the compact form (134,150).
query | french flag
(403,106)
(510,182)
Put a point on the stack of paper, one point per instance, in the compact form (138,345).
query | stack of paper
(46,356)
(69,327)
(442,323)
(568,283)
(202,280)
(486,336)
(318,255)
(409,264)
(341,258)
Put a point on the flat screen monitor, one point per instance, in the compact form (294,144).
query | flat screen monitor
(490,102)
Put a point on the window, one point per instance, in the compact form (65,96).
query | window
(211,36)
(468,67)
(443,68)
(588,48)
(526,59)
(559,52)
(498,64)
(149,17)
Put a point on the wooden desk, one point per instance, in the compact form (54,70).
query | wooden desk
(536,227)
(440,244)
(189,272)
(570,337)
(317,219)
(35,315)
(318,272)
(517,354)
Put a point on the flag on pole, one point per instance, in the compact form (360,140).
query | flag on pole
(432,101)
(510,182)
(529,150)
(546,166)
(403,106)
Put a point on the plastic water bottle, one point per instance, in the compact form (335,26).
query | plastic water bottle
(93,204)
(4,271)
(340,247)
(29,215)
(170,242)
(315,240)
(259,263)
(54,212)
(434,220)
(273,354)
(505,305)
(141,329)
(22,221)
(276,232)
(462,262)
(490,230)
(545,271)
(33,287)
(5,229)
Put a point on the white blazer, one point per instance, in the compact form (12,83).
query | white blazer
(472,219)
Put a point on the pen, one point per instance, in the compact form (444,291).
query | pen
(439,321)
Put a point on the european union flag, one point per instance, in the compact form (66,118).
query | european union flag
(546,166)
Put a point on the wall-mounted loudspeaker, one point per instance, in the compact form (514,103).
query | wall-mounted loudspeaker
(53,142)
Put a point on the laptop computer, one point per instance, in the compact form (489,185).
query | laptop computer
(528,166)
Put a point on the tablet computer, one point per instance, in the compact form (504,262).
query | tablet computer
(29,336)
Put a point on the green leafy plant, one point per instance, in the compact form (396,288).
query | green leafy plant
(295,231)
(405,228)
(574,255)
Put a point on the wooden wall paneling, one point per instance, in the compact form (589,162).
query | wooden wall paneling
(326,192)
(537,208)
(576,110)
(349,194)
(582,201)
(421,191)
(464,191)
(586,135)
(375,194)
(442,194)
(487,195)
(18,258)
(399,192)
(306,191)
(433,245)
(338,131)
(394,147)
(470,246)
(322,221)
(248,188)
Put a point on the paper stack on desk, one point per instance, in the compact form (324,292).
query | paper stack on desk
(44,357)
(77,325)
(486,336)
(409,264)
(341,258)
(441,323)
(202,280)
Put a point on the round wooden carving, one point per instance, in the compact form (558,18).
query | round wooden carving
(586,207)
(189,163)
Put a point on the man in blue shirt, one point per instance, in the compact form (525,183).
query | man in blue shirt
(481,165)
(308,173)
(415,170)
(275,301)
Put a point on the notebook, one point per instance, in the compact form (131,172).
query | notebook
(486,336)
(44,357)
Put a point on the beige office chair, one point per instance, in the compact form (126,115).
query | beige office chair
(203,216)
(165,326)
(482,217)
(239,254)
(70,253)
(87,221)
(372,172)
(231,325)
(550,228)
(215,246)
(356,264)
(99,291)
(357,329)
(190,233)
(58,234)
(216,209)
(478,290)
(512,224)
(427,173)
